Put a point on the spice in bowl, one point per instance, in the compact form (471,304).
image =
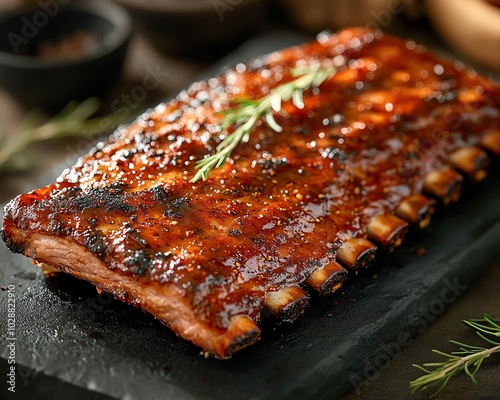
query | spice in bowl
(77,46)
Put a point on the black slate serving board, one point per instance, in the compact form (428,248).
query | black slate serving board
(75,343)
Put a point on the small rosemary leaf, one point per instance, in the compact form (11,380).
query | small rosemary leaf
(275,101)
(491,325)
(487,339)
(67,110)
(429,383)
(495,323)
(328,74)
(244,102)
(222,145)
(298,99)
(419,388)
(474,320)
(299,71)
(473,324)
(80,111)
(226,123)
(198,175)
(203,174)
(470,374)
(466,347)
(445,354)
(433,364)
(477,363)
(485,329)
(271,122)
(320,78)
(246,137)
(421,368)
(230,118)
(228,111)
(443,385)
(239,116)
(463,353)
(220,162)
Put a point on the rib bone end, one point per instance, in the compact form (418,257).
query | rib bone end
(472,161)
(327,279)
(356,252)
(388,230)
(287,304)
(445,184)
(491,142)
(416,209)
(242,332)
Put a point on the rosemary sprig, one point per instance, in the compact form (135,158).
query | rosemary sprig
(469,358)
(74,119)
(248,112)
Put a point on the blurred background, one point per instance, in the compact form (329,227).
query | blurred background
(111,60)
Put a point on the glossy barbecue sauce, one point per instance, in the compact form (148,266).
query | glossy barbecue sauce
(284,202)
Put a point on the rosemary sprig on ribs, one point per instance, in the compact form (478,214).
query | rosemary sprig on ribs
(469,358)
(248,112)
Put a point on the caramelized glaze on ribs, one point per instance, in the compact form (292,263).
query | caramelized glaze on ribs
(206,257)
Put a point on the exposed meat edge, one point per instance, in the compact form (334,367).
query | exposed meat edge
(165,302)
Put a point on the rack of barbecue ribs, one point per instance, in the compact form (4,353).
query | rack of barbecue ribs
(394,132)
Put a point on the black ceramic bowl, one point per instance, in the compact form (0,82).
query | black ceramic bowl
(197,28)
(50,56)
